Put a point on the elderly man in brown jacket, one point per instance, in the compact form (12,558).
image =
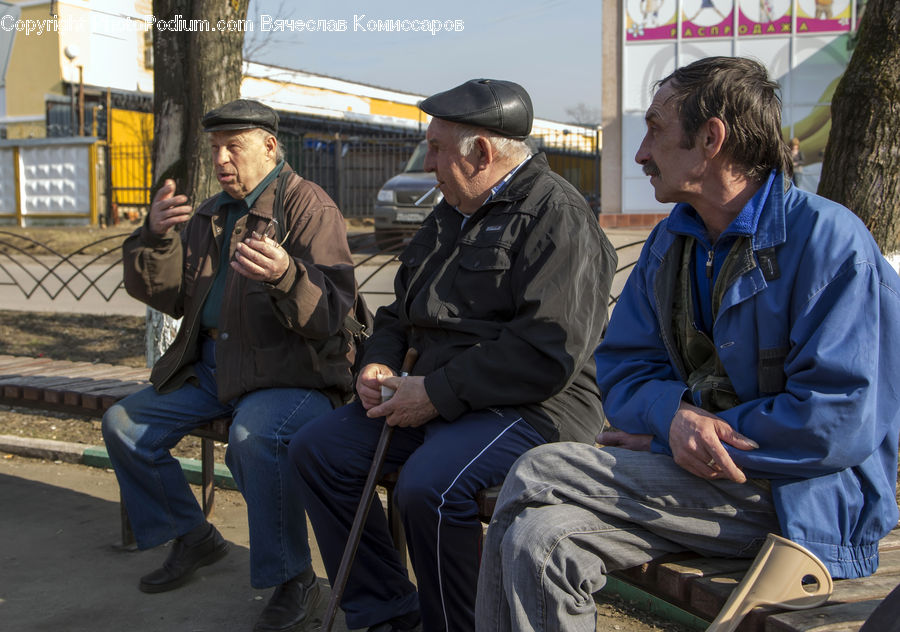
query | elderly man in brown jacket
(261,340)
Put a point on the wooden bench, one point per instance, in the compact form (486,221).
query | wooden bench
(87,389)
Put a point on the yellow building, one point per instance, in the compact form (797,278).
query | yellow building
(60,55)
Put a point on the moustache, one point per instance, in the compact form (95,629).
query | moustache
(650,169)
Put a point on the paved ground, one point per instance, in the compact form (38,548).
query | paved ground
(62,569)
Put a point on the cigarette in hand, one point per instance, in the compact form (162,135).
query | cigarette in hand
(425,197)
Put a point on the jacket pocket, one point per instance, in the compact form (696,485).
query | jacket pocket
(482,288)
(259,320)
(417,249)
(488,258)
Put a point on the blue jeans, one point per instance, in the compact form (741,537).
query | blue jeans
(444,465)
(140,430)
(569,513)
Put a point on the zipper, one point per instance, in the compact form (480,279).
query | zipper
(191,325)
(710,256)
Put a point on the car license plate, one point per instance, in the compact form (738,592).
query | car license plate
(412,218)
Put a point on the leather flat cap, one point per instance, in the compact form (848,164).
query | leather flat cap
(500,106)
(241,114)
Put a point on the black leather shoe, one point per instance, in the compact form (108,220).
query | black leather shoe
(183,560)
(387,626)
(410,622)
(295,606)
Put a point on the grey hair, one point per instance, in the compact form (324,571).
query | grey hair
(511,148)
(279,150)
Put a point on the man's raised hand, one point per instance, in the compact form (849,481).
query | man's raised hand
(168,209)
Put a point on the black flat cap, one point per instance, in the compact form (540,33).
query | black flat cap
(500,106)
(241,114)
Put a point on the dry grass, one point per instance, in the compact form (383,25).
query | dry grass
(62,239)
(75,337)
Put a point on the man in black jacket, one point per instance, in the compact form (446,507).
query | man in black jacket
(503,293)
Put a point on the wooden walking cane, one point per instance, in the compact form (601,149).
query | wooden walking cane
(362,511)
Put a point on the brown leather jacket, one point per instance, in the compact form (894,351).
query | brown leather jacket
(288,334)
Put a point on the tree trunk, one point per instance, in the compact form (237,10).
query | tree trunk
(861,169)
(161,330)
(194,71)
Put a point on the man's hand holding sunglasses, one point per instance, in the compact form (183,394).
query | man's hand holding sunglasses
(260,257)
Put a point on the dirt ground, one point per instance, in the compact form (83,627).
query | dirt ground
(120,340)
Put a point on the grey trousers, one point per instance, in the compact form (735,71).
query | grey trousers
(569,513)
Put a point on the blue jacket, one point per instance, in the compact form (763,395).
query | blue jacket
(806,333)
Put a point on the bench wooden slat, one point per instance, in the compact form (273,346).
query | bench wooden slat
(54,367)
(12,364)
(647,575)
(673,579)
(487,500)
(708,594)
(105,383)
(75,397)
(100,397)
(80,372)
(847,617)
(89,395)
(890,542)
(888,562)
(20,373)
(875,586)
(56,393)
(15,384)
(11,391)
(34,387)
(701,585)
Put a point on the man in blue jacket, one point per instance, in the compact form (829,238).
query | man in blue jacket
(749,368)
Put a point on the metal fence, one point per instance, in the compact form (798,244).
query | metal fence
(130,175)
(93,272)
(577,164)
(352,167)
(37,269)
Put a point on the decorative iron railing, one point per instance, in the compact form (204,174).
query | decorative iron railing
(33,267)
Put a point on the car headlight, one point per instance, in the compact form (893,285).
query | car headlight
(385,195)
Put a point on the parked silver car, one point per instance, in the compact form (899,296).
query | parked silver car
(397,216)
